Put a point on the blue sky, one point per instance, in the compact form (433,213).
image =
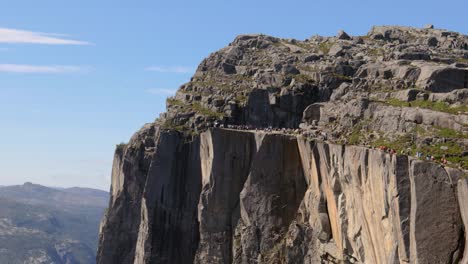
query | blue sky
(78,77)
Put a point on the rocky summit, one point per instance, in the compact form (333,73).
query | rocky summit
(344,149)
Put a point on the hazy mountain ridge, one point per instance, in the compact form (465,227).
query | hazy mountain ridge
(39,224)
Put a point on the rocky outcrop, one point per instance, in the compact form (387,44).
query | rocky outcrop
(269,155)
(384,118)
(442,78)
(382,87)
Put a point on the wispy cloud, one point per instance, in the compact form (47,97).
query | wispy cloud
(8,35)
(25,68)
(161,91)
(170,69)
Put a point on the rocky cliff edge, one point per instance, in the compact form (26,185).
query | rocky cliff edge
(315,151)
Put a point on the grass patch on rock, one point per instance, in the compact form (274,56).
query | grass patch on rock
(436,106)
(325,47)
(450,133)
(197,107)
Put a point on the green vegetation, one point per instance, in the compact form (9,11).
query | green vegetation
(188,108)
(303,78)
(172,101)
(197,107)
(355,136)
(278,43)
(365,37)
(450,149)
(342,77)
(301,45)
(414,87)
(400,143)
(210,83)
(169,124)
(436,106)
(359,132)
(383,87)
(420,131)
(240,77)
(450,133)
(405,143)
(241,98)
(324,47)
(376,52)
(120,146)
(462,60)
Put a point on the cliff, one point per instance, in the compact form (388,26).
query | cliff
(271,154)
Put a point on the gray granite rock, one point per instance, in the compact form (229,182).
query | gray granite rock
(261,190)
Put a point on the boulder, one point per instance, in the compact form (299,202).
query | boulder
(438,79)
(338,49)
(312,112)
(407,95)
(312,57)
(342,35)
(429,26)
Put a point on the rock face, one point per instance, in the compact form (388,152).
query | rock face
(463,201)
(226,162)
(272,198)
(153,216)
(270,155)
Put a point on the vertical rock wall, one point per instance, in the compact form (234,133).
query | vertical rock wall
(152,215)
(357,202)
(226,162)
(119,228)
(269,200)
(463,202)
(168,230)
(254,197)
(435,222)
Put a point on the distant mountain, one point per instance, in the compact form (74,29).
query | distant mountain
(40,224)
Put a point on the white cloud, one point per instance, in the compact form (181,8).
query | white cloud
(24,68)
(8,35)
(161,91)
(171,69)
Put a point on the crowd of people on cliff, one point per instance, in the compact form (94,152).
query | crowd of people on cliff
(265,129)
(322,135)
(298,131)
